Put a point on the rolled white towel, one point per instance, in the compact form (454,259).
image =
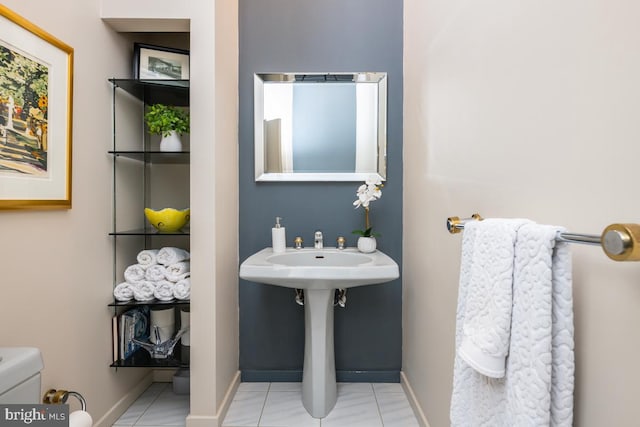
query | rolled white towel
(164,290)
(134,273)
(147,257)
(178,271)
(124,291)
(144,290)
(170,255)
(155,273)
(182,289)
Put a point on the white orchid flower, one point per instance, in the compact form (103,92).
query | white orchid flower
(367,193)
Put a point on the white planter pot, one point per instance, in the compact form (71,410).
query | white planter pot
(171,142)
(366,244)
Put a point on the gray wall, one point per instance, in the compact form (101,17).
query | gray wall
(327,36)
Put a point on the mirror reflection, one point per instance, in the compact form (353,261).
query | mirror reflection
(320,127)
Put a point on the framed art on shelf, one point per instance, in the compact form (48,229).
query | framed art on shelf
(36,94)
(160,63)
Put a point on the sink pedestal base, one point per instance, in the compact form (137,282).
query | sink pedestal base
(319,390)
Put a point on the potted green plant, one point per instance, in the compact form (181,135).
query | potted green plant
(168,121)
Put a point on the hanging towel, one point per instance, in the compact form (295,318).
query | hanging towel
(170,255)
(155,273)
(134,274)
(562,333)
(486,322)
(178,271)
(540,367)
(147,257)
(182,289)
(164,290)
(538,381)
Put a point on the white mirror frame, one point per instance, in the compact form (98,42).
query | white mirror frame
(259,141)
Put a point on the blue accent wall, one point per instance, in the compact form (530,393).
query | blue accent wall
(327,36)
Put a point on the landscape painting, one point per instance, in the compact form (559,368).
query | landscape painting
(24,106)
(36,109)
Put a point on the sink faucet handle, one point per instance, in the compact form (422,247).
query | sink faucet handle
(297,242)
(341,241)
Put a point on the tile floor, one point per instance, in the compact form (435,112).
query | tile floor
(279,405)
(358,405)
(158,406)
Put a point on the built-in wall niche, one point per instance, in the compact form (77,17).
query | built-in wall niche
(179,40)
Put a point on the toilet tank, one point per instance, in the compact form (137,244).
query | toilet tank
(20,374)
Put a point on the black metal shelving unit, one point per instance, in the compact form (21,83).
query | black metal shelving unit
(170,92)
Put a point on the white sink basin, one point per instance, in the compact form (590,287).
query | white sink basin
(319,272)
(310,268)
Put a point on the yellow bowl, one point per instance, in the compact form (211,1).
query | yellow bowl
(168,219)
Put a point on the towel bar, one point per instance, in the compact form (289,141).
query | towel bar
(620,242)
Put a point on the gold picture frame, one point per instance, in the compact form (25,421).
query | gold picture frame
(36,97)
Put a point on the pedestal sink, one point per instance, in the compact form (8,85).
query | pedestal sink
(319,272)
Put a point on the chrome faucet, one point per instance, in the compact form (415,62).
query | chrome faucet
(317,241)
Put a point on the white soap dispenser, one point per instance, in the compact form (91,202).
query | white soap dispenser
(278,237)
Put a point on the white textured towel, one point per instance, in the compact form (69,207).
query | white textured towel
(486,319)
(170,255)
(537,388)
(164,290)
(123,291)
(134,273)
(143,291)
(178,271)
(147,257)
(182,289)
(155,273)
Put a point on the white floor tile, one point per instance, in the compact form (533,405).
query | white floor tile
(245,409)
(388,388)
(159,425)
(354,387)
(253,387)
(284,409)
(396,410)
(354,409)
(135,411)
(169,409)
(285,387)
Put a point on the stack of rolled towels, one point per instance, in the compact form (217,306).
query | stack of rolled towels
(162,274)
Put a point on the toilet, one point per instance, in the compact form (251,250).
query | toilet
(20,374)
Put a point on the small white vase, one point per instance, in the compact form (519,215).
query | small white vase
(172,142)
(366,244)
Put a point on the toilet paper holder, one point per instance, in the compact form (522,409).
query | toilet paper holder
(54,396)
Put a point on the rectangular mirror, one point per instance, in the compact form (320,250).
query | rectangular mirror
(320,126)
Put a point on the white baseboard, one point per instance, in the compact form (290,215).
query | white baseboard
(228,397)
(203,421)
(123,404)
(413,401)
(216,420)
